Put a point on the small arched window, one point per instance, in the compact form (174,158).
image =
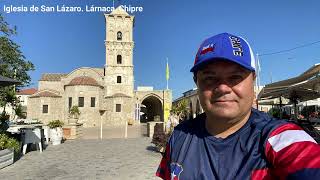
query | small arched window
(119,35)
(119,59)
(118,79)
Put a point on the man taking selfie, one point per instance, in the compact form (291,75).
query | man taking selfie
(231,140)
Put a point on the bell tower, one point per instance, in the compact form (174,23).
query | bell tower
(119,53)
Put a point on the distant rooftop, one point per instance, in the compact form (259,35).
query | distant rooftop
(46,93)
(29,91)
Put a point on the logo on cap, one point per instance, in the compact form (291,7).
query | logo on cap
(236,45)
(206,49)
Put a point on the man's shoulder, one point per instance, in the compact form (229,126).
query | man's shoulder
(192,126)
(263,120)
(192,123)
(266,124)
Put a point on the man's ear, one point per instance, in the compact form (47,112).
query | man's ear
(254,76)
(195,78)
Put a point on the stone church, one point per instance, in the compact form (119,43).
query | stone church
(105,93)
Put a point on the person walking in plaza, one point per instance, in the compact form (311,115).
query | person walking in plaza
(232,140)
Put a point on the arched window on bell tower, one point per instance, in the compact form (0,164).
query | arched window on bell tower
(119,59)
(119,35)
(118,79)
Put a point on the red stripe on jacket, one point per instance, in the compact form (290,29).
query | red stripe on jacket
(293,157)
(164,167)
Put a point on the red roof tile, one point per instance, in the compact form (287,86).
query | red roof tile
(29,91)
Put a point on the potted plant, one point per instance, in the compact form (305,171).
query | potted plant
(160,138)
(56,131)
(9,149)
(74,114)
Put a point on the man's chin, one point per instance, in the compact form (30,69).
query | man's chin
(226,114)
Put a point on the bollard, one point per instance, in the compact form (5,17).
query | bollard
(126,130)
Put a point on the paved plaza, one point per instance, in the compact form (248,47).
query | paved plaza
(135,131)
(88,158)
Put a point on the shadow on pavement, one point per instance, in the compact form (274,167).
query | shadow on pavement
(152,148)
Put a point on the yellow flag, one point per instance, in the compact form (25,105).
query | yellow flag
(167,71)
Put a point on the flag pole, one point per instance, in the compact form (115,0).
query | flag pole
(167,74)
(258,69)
(167,85)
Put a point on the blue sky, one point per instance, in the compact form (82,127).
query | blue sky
(61,42)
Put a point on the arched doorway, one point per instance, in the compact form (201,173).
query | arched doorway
(151,109)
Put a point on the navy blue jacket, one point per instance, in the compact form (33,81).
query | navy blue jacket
(264,148)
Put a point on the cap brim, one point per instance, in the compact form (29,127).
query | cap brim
(207,61)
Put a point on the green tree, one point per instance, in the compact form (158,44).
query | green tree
(13,64)
(181,109)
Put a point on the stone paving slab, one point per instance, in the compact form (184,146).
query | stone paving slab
(135,131)
(83,159)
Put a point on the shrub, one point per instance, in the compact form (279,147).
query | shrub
(9,143)
(55,124)
(74,112)
(160,138)
(307,110)
(274,112)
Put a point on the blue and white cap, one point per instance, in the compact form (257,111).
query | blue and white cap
(225,46)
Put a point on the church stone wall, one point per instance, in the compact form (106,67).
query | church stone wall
(83,72)
(54,85)
(55,109)
(119,23)
(164,96)
(113,118)
(117,48)
(89,116)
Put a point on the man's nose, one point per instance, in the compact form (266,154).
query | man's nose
(223,88)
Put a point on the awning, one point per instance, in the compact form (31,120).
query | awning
(303,88)
(275,101)
(311,72)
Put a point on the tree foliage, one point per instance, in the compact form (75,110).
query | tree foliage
(181,108)
(74,112)
(13,64)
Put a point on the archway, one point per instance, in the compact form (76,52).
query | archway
(151,108)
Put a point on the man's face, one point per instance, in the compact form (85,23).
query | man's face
(225,90)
